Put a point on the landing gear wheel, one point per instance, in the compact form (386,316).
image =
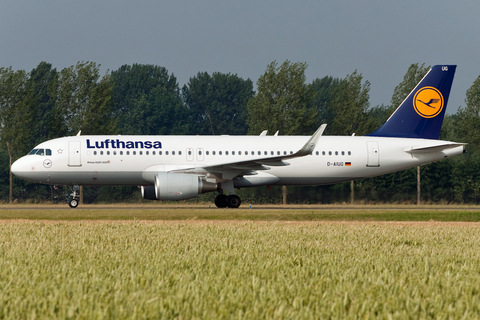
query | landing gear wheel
(233,201)
(221,201)
(74,197)
(73,203)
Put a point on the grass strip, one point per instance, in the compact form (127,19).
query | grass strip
(294,214)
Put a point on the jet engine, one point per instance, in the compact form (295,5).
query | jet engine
(176,186)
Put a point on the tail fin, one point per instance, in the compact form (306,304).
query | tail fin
(421,114)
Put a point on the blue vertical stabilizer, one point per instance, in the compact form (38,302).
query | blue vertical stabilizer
(421,114)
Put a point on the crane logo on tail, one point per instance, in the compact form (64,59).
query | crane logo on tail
(428,102)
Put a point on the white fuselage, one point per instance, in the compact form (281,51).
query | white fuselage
(135,160)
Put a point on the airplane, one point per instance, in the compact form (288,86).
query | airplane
(182,167)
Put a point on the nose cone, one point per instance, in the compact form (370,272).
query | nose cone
(21,168)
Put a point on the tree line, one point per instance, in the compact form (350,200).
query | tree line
(143,99)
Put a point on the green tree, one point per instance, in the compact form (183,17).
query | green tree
(161,112)
(350,104)
(465,127)
(217,103)
(132,87)
(13,116)
(283,101)
(468,123)
(324,89)
(40,100)
(84,101)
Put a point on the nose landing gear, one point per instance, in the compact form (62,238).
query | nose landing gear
(74,198)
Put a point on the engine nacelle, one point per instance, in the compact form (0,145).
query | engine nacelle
(176,186)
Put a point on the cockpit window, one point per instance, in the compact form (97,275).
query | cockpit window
(41,152)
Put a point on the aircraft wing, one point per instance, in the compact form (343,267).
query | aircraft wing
(230,170)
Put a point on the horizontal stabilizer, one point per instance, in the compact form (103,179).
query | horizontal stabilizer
(436,148)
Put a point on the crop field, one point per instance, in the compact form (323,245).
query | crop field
(244,269)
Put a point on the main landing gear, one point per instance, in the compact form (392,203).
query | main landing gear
(74,198)
(231,201)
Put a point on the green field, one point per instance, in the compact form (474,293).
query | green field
(238,270)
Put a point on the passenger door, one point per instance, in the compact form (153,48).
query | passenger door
(372,154)
(74,154)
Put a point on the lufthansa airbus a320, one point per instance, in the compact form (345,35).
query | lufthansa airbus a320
(181,167)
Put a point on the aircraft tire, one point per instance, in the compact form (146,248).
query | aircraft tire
(73,203)
(221,201)
(233,201)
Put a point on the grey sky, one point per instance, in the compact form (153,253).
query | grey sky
(378,38)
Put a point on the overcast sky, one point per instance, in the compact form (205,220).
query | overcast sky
(378,38)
